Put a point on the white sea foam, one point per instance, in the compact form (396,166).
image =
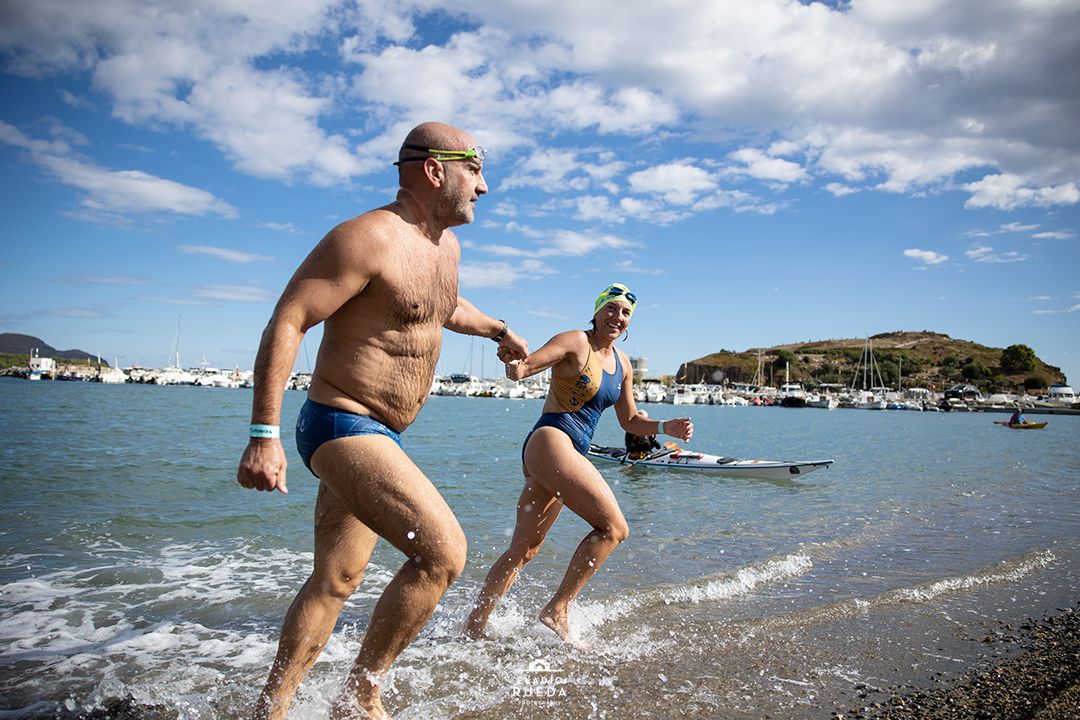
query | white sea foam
(1009,571)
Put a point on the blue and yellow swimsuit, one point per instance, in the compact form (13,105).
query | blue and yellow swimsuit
(581,401)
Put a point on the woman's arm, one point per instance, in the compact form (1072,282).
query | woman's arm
(562,346)
(633,422)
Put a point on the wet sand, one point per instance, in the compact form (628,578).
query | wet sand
(1030,672)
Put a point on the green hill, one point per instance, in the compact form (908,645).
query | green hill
(15,351)
(927,359)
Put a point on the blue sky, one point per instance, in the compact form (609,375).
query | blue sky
(759,173)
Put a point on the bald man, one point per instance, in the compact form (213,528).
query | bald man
(384,284)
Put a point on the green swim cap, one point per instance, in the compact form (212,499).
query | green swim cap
(613,292)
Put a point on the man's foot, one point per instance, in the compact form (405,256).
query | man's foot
(558,621)
(360,701)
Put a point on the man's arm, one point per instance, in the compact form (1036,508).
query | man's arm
(468,320)
(331,274)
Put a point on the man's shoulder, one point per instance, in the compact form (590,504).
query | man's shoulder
(375,222)
(365,233)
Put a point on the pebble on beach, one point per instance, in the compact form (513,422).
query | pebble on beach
(1040,682)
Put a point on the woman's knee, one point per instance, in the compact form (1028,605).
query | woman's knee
(530,552)
(618,530)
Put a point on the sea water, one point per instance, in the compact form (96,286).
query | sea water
(135,568)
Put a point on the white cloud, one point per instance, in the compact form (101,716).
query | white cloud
(560,243)
(926,256)
(576,244)
(840,190)
(195,67)
(986,254)
(234,256)
(678,183)
(233,293)
(598,208)
(1054,235)
(898,99)
(281,227)
(119,191)
(544,313)
(1008,192)
(758,165)
(500,275)
(133,191)
(1018,227)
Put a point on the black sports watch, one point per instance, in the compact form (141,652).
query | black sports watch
(498,337)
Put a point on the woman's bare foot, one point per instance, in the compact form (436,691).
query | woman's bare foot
(558,621)
(474,627)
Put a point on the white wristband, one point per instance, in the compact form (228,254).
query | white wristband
(264,431)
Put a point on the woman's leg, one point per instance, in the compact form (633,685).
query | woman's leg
(571,478)
(537,510)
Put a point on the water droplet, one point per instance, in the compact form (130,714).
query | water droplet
(411,535)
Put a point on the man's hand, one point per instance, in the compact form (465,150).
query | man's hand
(515,345)
(262,466)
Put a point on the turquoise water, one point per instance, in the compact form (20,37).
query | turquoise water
(133,565)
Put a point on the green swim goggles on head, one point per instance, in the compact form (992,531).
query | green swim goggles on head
(616,291)
(444,155)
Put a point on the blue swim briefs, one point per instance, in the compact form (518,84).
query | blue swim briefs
(318,423)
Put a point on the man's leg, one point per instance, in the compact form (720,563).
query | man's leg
(343,547)
(372,478)
(537,511)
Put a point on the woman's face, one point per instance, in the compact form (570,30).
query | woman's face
(613,319)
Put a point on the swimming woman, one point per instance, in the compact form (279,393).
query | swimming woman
(588,375)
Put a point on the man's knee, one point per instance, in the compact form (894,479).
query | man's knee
(336,582)
(445,564)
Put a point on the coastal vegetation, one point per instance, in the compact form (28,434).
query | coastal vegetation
(924,359)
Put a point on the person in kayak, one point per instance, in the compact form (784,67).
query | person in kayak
(1018,417)
(640,446)
(587,376)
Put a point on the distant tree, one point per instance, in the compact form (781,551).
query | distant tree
(999,382)
(1018,359)
(950,361)
(974,371)
(1034,382)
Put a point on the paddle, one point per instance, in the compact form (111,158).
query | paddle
(669,447)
